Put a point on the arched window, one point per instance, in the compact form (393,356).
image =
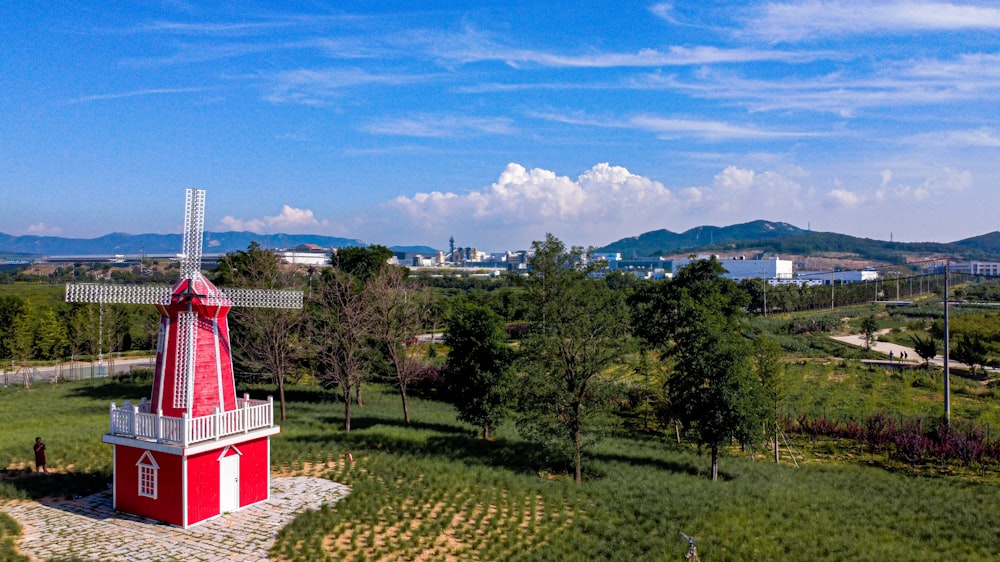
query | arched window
(148,470)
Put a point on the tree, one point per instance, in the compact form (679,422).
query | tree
(766,364)
(361,262)
(869,326)
(697,319)
(578,329)
(268,339)
(478,376)
(400,308)
(10,308)
(340,328)
(971,350)
(926,348)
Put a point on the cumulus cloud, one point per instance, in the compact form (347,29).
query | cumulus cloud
(290,220)
(841,197)
(602,204)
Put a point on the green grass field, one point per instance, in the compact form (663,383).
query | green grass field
(434,491)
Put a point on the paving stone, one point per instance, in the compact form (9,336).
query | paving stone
(89,528)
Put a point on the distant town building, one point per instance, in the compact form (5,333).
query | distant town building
(307,254)
(740,268)
(831,277)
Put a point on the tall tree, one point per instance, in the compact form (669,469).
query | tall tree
(869,326)
(578,330)
(478,376)
(766,364)
(400,308)
(340,328)
(698,320)
(267,339)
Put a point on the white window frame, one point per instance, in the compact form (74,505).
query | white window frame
(148,478)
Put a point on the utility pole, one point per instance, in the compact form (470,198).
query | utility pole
(947,382)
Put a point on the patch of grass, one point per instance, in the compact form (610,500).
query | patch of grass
(9,531)
(432,490)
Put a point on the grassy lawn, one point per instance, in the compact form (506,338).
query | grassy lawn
(433,490)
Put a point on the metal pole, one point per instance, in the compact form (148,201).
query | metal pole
(947,382)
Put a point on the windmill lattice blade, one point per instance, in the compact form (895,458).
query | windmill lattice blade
(187,342)
(264,298)
(121,294)
(194,229)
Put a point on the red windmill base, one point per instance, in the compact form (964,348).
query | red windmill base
(194,450)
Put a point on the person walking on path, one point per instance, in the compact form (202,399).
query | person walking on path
(40,456)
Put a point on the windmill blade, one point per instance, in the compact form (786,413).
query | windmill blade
(119,294)
(263,298)
(184,360)
(194,230)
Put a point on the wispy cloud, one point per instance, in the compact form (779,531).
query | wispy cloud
(134,94)
(815,19)
(982,137)
(437,125)
(672,127)
(314,87)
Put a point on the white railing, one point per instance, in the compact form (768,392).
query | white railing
(138,422)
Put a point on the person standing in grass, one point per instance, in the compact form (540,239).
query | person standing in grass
(40,456)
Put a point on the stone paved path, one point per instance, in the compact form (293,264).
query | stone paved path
(88,528)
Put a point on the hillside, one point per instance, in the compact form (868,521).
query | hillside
(785,239)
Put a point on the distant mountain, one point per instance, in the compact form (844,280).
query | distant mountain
(133,244)
(783,238)
(660,242)
(984,242)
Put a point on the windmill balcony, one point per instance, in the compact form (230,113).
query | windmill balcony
(136,421)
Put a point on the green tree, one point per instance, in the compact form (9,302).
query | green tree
(869,326)
(478,374)
(267,340)
(766,364)
(926,348)
(698,319)
(578,330)
(361,262)
(10,308)
(971,350)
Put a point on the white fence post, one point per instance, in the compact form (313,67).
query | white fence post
(217,422)
(185,429)
(111,414)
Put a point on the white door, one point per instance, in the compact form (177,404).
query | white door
(229,483)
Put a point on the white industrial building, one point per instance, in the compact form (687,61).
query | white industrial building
(832,277)
(740,268)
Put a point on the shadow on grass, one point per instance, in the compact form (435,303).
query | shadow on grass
(359,423)
(54,486)
(514,455)
(114,390)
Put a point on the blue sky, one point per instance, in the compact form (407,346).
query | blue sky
(496,122)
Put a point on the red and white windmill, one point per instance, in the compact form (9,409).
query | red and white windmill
(194,450)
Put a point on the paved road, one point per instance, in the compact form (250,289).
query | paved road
(89,529)
(73,371)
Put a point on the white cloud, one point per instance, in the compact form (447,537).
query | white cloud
(981,137)
(315,87)
(794,21)
(291,221)
(673,128)
(42,229)
(436,125)
(840,197)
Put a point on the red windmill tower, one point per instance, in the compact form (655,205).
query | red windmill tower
(194,450)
